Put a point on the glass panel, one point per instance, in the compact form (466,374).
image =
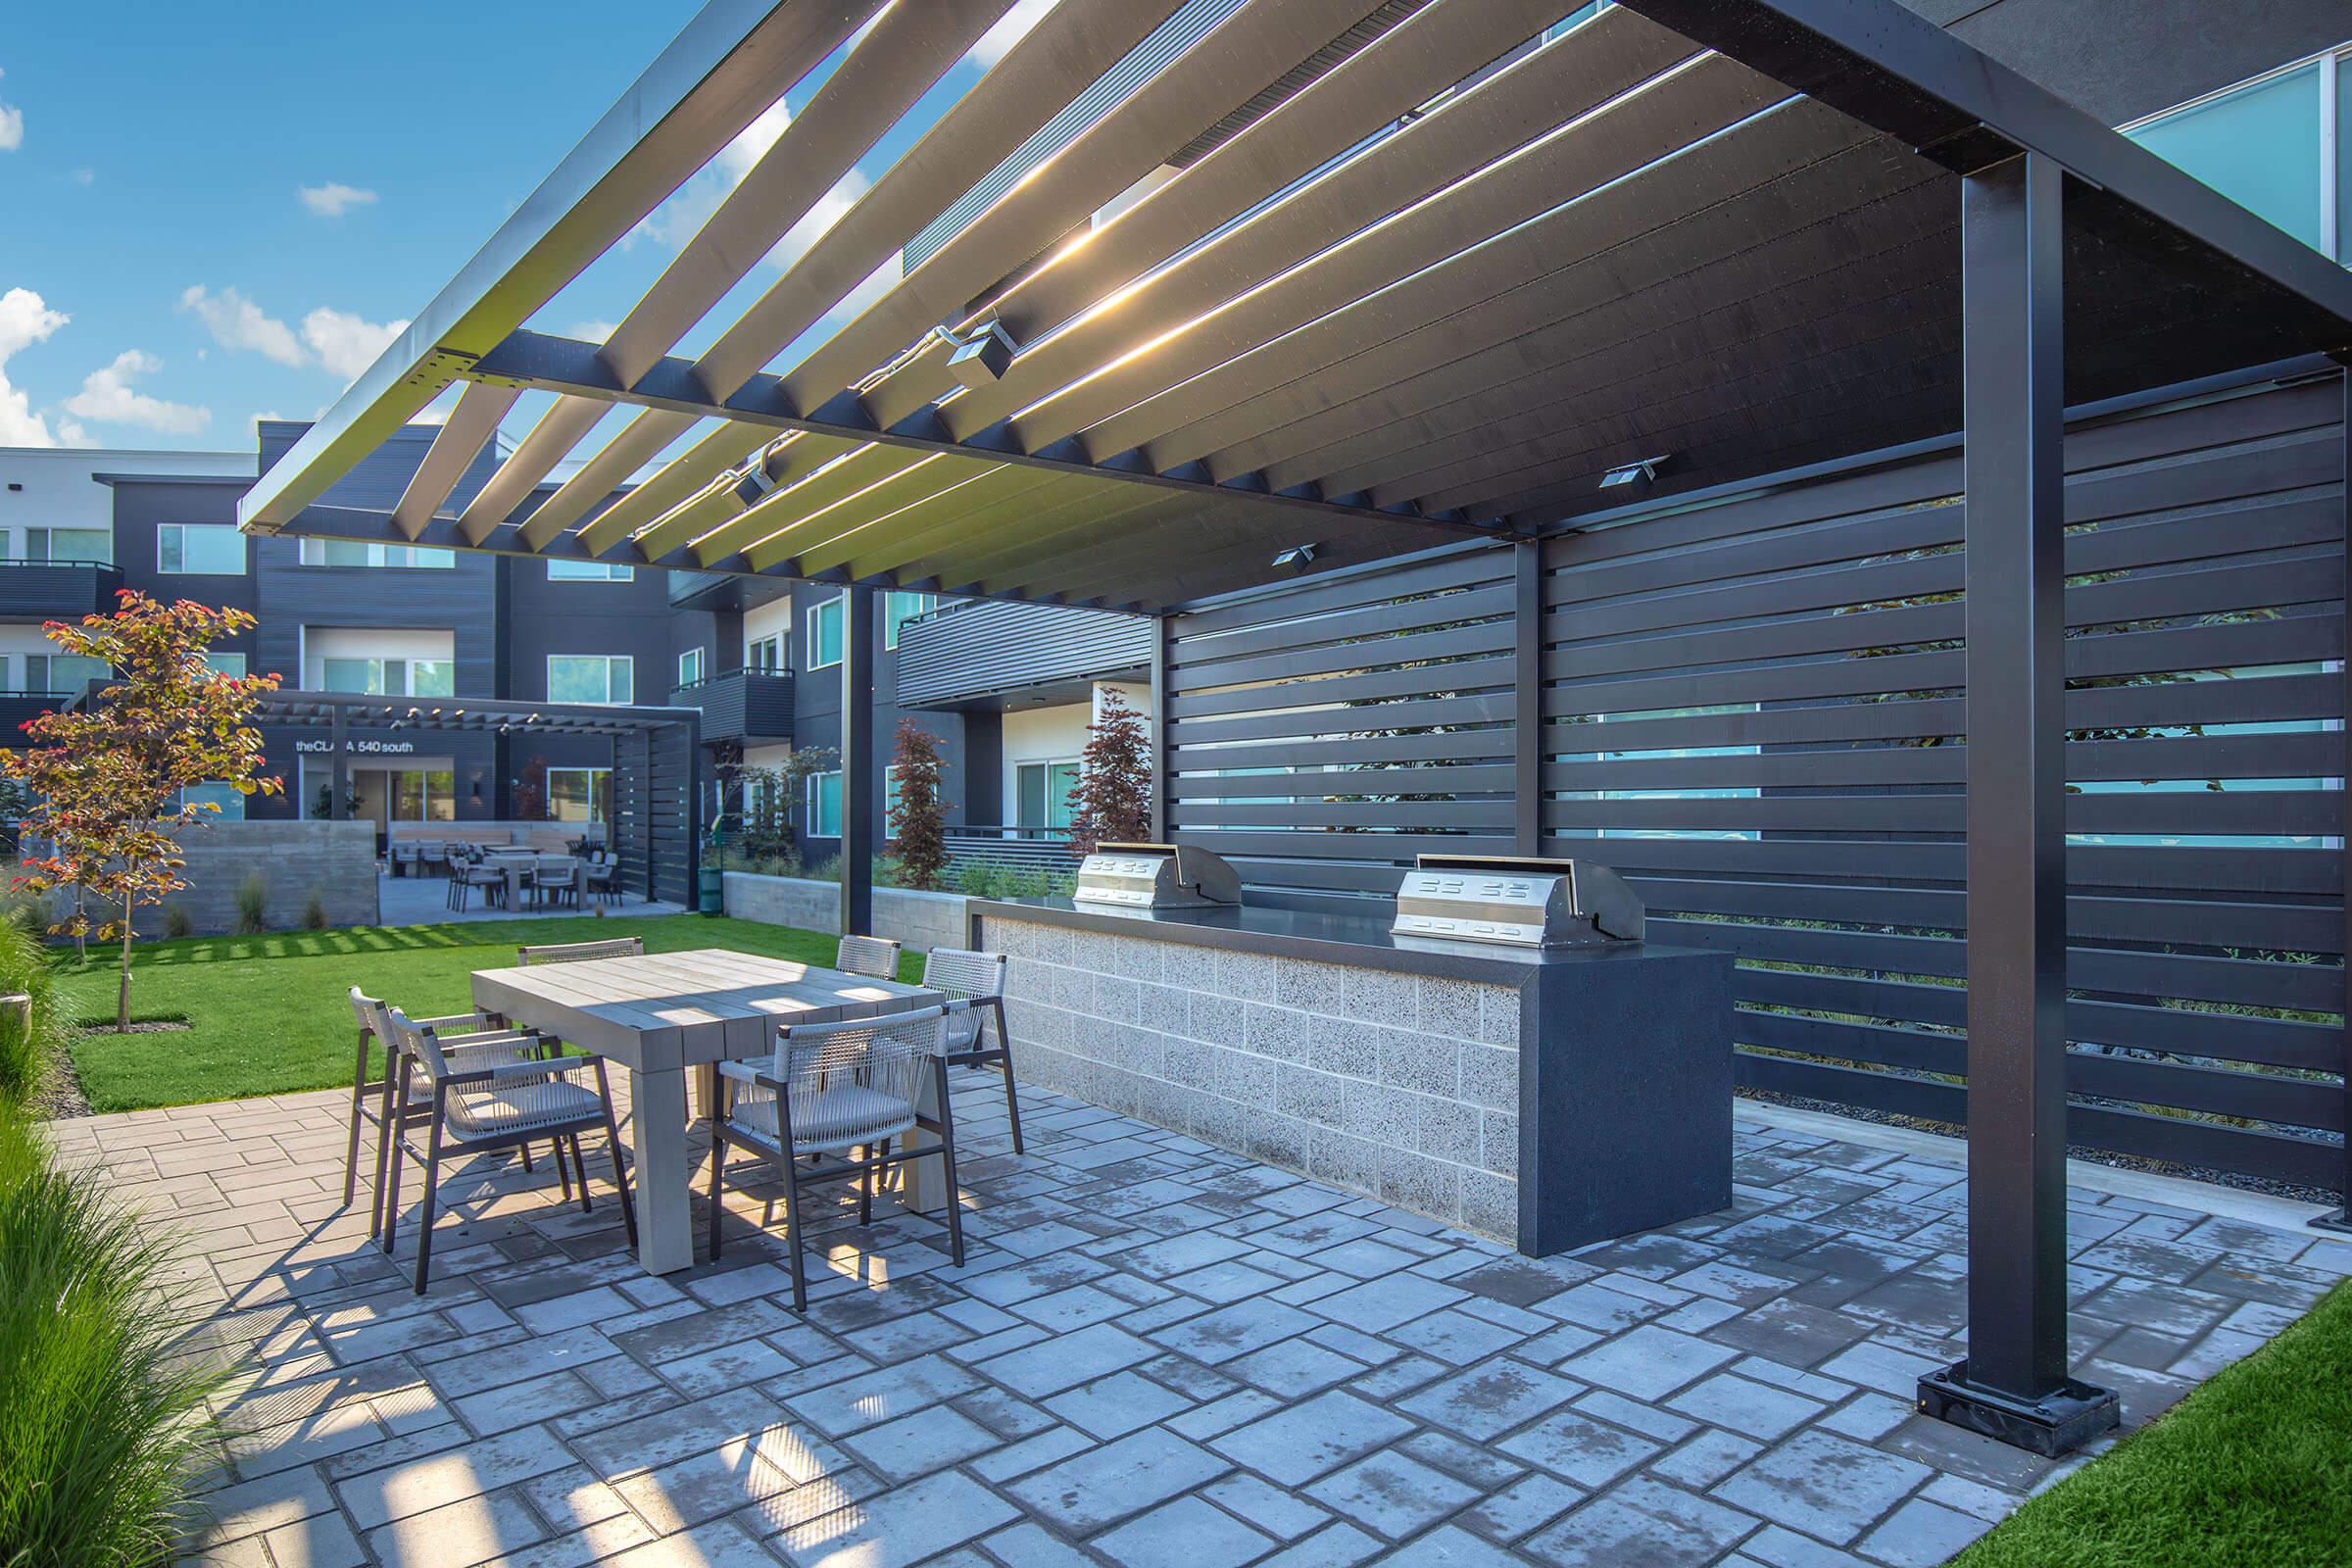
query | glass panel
(2258,146)
(588,571)
(690,667)
(1030,788)
(824,805)
(1060,779)
(768,654)
(432,678)
(2344,159)
(200,549)
(225,663)
(567,794)
(348,553)
(223,795)
(824,635)
(167,548)
(408,796)
(897,608)
(575,678)
(621,683)
(353,675)
(70,544)
(441,795)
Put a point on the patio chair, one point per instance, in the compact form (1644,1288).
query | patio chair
(401,854)
(830,1090)
(432,856)
(977,978)
(603,877)
(580,952)
(478,1103)
(471,873)
(372,1102)
(555,881)
(877,956)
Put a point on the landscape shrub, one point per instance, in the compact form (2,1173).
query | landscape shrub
(176,922)
(103,1419)
(314,914)
(27,1055)
(253,905)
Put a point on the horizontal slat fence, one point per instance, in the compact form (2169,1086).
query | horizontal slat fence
(1323,737)
(1757,711)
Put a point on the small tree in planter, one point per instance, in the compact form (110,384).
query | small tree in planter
(110,782)
(1111,801)
(919,822)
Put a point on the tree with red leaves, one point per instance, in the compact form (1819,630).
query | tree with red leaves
(918,821)
(1111,801)
(109,783)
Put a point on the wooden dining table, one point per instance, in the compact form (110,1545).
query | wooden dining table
(663,1015)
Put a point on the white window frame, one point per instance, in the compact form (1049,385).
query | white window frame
(1049,763)
(386,665)
(892,620)
(608,660)
(815,788)
(777,642)
(181,528)
(595,797)
(219,664)
(2333,64)
(562,571)
(698,661)
(839,602)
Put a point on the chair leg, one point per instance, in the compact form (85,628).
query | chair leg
(388,1129)
(869,1180)
(359,1100)
(579,1163)
(1012,1100)
(396,1153)
(947,1153)
(424,1206)
(792,1232)
(718,1160)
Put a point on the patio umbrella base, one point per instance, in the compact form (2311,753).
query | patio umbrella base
(2057,1423)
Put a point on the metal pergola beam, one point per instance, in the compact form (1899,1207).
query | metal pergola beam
(859,813)
(2014,1385)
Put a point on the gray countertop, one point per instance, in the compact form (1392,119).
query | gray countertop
(1339,935)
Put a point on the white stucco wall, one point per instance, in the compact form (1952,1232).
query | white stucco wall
(60,493)
(1057,734)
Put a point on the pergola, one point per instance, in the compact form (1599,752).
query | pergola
(653,824)
(1403,281)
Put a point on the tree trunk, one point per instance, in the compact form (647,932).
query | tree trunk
(122,989)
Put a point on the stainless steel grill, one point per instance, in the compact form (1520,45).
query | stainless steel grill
(1156,876)
(1525,904)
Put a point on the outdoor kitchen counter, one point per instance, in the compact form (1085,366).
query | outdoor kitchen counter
(1548,1098)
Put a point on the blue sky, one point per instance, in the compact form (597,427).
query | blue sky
(214,213)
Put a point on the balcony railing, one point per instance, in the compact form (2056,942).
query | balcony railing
(976,652)
(56,590)
(1012,849)
(750,705)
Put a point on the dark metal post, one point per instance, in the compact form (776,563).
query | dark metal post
(338,753)
(2341,1219)
(858,798)
(1162,629)
(1527,688)
(2014,1384)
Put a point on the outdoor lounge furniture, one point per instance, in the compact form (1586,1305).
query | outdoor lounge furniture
(831,1090)
(874,955)
(977,978)
(479,1101)
(471,873)
(482,1036)
(670,1015)
(603,877)
(554,882)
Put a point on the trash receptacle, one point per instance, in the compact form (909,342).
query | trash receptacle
(710,890)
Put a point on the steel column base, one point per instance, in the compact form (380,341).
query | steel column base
(2057,1423)
(2339,1222)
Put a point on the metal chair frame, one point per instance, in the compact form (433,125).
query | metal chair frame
(419,1052)
(785,1159)
(979,979)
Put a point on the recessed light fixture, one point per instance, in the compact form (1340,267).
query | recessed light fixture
(1297,557)
(1641,471)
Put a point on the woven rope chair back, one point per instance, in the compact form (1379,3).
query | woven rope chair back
(369,1012)
(961,973)
(819,1063)
(581,952)
(877,956)
(418,1043)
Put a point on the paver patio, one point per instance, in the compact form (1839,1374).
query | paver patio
(1158,1353)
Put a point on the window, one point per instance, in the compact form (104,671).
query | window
(590,678)
(890,796)
(690,668)
(824,804)
(824,631)
(899,609)
(224,663)
(190,549)
(589,571)
(420,795)
(69,544)
(358,553)
(766,655)
(390,677)
(2275,145)
(220,794)
(62,674)
(1042,797)
(579,794)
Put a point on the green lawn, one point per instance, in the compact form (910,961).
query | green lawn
(270,1014)
(2254,1468)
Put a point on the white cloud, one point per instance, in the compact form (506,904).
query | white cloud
(12,127)
(82,176)
(334,199)
(830,209)
(682,217)
(438,410)
(347,344)
(593,331)
(108,396)
(25,319)
(237,322)
(1010,28)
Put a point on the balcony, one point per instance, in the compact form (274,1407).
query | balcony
(983,653)
(16,707)
(750,705)
(56,590)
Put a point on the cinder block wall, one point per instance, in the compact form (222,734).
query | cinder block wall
(334,860)
(920,920)
(1403,1087)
